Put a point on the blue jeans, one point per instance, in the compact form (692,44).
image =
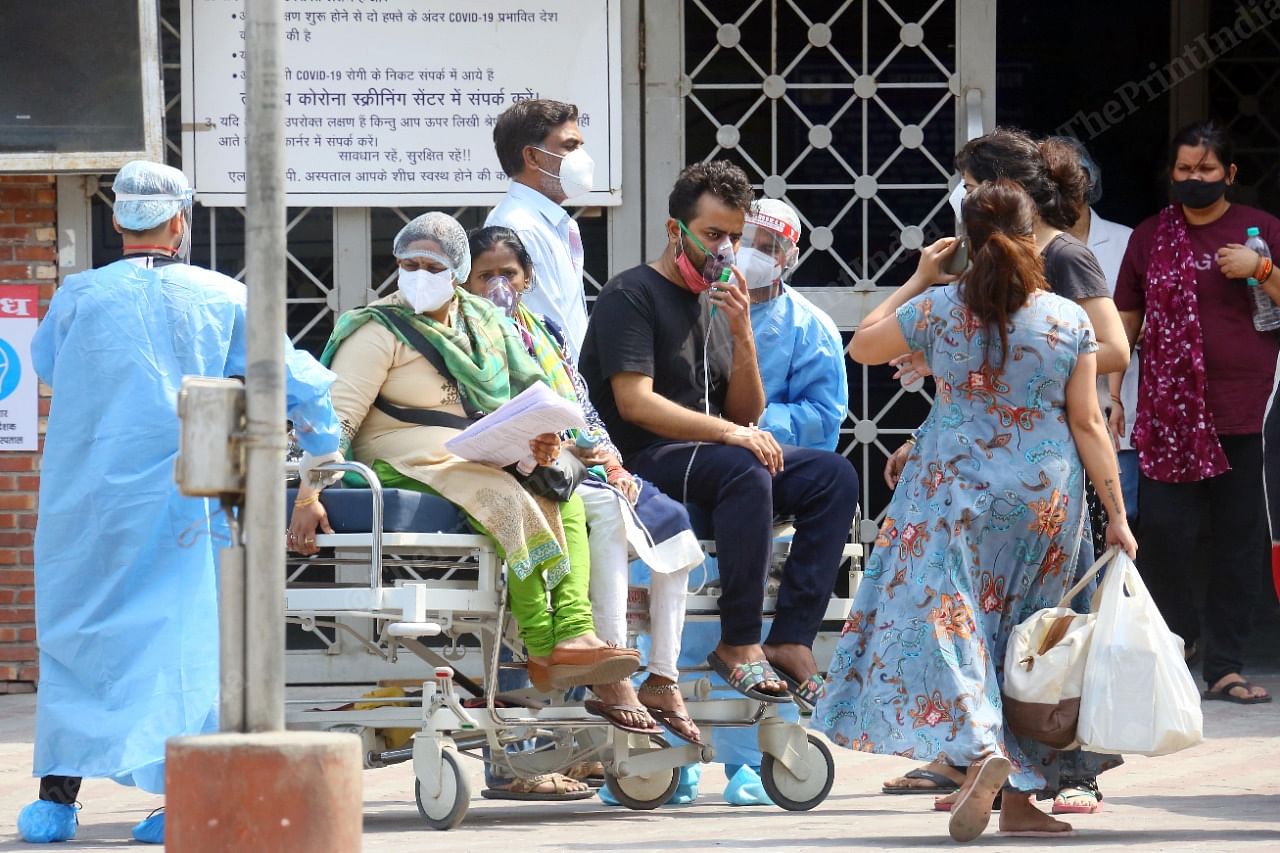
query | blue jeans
(817,488)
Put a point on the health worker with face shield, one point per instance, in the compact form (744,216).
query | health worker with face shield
(798,346)
(126,571)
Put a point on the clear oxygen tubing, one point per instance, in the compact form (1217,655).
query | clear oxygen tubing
(706,389)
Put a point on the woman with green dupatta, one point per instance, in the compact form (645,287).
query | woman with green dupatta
(543,543)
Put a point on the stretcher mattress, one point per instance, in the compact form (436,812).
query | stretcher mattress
(403,511)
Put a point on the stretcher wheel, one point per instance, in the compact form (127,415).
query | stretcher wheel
(644,793)
(447,809)
(797,795)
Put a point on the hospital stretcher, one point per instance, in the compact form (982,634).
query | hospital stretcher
(425,615)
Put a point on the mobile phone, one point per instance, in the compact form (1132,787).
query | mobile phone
(958,261)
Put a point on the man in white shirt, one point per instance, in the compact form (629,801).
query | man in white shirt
(540,147)
(1117,392)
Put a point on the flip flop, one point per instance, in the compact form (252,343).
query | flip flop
(522,789)
(942,784)
(939,806)
(665,718)
(972,812)
(613,713)
(1077,790)
(745,676)
(805,693)
(1223,696)
(1035,833)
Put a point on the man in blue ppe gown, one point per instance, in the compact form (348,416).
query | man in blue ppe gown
(126,572)
(802,368)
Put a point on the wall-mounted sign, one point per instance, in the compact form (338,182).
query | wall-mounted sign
(393,102)
(19,412)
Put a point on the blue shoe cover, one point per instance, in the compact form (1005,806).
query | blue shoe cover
(151,830)
(745,789)
(687,789)
(607,797)
(42,822)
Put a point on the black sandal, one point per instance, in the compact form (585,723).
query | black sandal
(1224,694)
(745,678)
(942,784)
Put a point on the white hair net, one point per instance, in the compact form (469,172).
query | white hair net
(149,194)
(444,230)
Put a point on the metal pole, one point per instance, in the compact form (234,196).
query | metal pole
(264,518)
(231,647)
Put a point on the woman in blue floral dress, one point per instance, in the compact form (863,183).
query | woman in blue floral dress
(986,521)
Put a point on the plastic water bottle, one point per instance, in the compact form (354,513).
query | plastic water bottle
(1266,314)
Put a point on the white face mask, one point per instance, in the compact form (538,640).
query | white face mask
(184,247)
(577,172)
(957,200)
(760,269)
(426,291)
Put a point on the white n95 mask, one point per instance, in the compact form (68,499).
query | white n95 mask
(760,269)
(426,291)
(957,200)
(577,172)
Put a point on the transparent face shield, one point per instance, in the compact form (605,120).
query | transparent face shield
(767,253)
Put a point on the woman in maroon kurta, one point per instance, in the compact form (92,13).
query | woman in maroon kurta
(1206,376)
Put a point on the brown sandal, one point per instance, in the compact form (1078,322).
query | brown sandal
(527,789)
(587,772)
(581,667)
(666,718)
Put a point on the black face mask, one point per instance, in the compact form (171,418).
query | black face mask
(1198,194)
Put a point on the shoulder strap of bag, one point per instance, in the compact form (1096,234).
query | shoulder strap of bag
(419,342)
(421,417)
(1107,556)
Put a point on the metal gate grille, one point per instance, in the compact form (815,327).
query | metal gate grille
(1244,93)
(847,111)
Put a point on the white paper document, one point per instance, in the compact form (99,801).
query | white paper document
(502,437)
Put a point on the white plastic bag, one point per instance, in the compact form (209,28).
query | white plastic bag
(1138,697)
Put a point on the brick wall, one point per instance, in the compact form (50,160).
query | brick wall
(28,255)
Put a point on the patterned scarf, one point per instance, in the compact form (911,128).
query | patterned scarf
(1174,431)
(547,353)
(482,348)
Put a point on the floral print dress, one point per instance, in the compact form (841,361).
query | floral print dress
(983,530)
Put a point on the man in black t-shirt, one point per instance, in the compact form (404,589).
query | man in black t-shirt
(674,375)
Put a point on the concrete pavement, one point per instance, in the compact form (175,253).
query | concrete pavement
(1222,795)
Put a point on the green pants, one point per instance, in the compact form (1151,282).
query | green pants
(570,611)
